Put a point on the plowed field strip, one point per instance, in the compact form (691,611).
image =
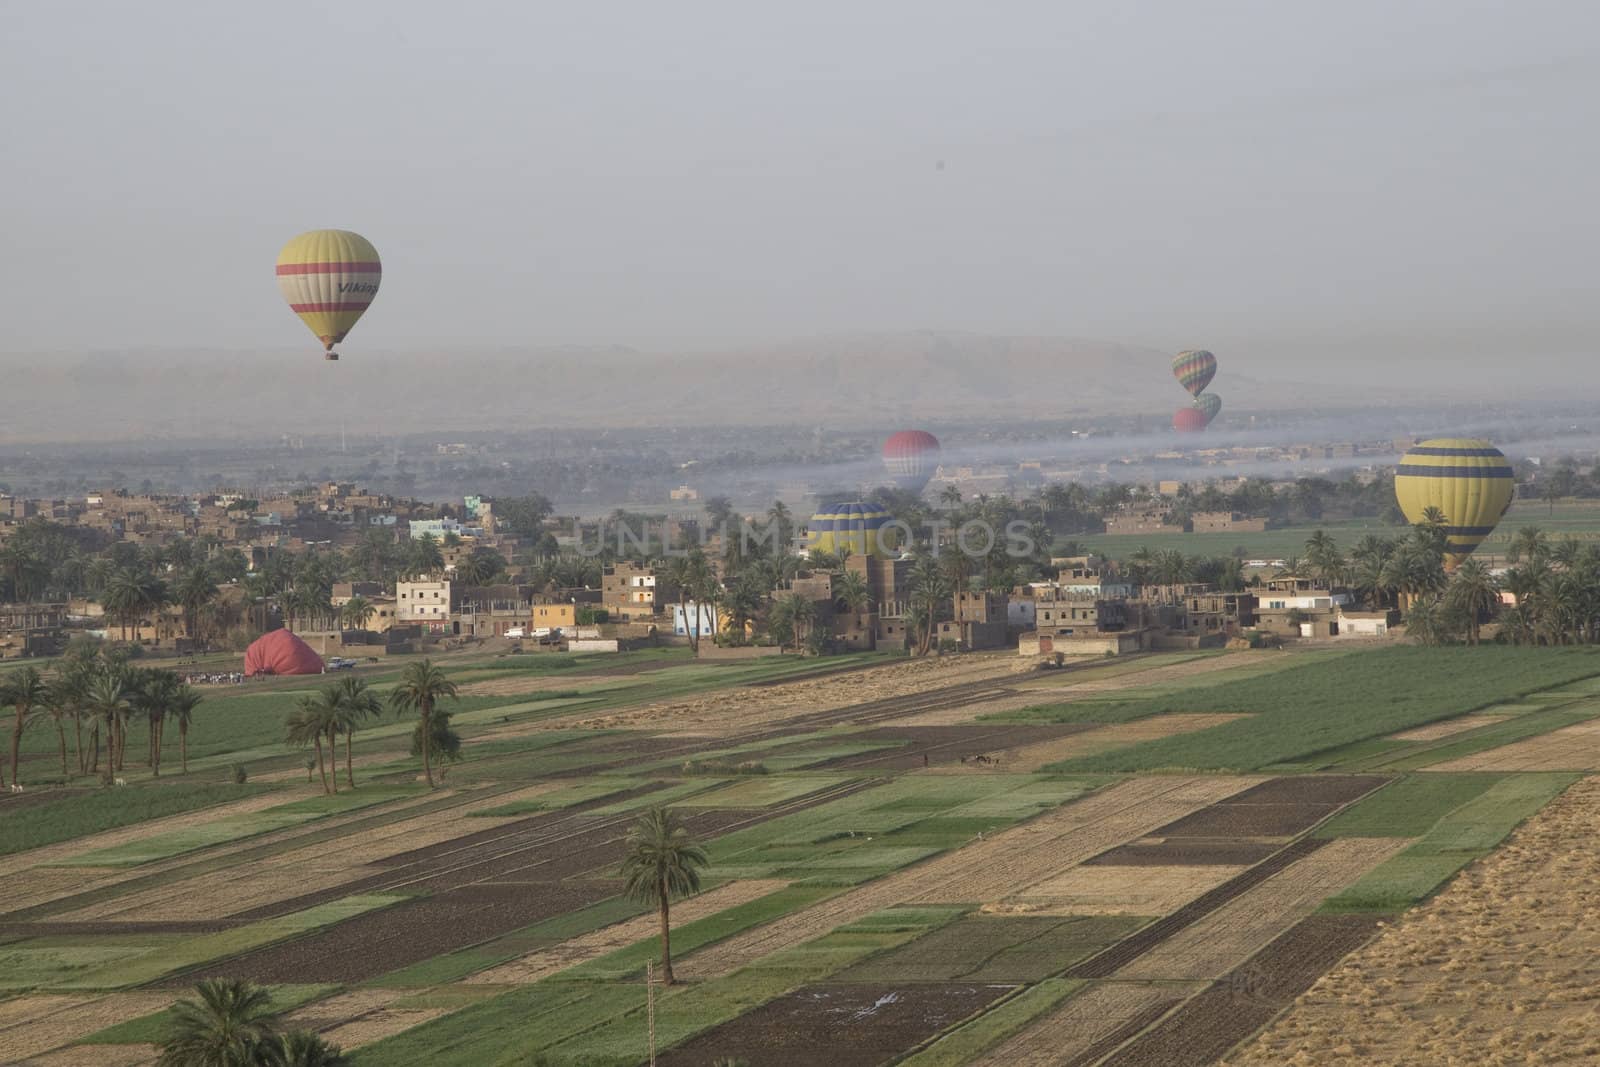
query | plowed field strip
(1085,1027)
(61,1020)
(987,870)
(1219,941)
(1571,748)
(1130,949)
(1203,1030)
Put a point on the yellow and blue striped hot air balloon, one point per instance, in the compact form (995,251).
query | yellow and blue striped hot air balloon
(329,278)
(853,527)
(1467,479)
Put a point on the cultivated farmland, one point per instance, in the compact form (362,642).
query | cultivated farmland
(935,863)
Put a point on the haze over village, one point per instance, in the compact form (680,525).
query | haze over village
(905,535)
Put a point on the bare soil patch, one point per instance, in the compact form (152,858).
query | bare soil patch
(1205,1028)
(857,1025)
(362,1016)
(1448,728)
(1093,739)
(1222,939)
(1310,789)
(34,1025)
(1280,807)
(1499,968)
(1102,890)
(1571,748)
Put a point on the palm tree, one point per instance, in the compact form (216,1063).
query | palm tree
(1475,593)
(930,589)
(356,703)
(480,567)
(107,701)
(181,710)
(1529,541)
(195,591)
(850,589)
(420,689)
(313,718)
(424,556)
(663,862)
(152,694)
(1424,621)
(225,1026)
(131,595)
(26,693)
(950,496)
(357,612)
(301,1048)
(692,576)
(779,516)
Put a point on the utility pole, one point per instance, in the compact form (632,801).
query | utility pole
(650,1005)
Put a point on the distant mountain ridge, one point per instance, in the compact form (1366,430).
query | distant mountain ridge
(904,377)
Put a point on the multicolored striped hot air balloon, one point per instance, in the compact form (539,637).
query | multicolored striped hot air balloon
(1467,479)
(853,527)
(329,278)
(1209,404)
(911,457)
(1194,369)
(1189,420)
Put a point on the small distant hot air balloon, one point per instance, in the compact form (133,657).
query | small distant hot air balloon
(1194,369)
(1467,479)
(329,278)
(852,527)
(1189,420)
(910,457)
(1209,404)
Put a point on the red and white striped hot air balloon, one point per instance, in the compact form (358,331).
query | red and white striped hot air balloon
(910,457)
(329,278)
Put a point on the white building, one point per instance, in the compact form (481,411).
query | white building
(425,602)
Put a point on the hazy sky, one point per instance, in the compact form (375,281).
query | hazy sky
(1413,181)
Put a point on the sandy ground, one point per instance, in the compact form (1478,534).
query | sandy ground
(218,894)
(1029,758)
(744,709)
(1243,926)
(545,962)
(1116,891)
(1571,748)
(1449,728)
(97,1056)
(1501,968)
(985,871)
(36,1024)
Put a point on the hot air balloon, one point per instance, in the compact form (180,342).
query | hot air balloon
(1194,369)
(1209,404)
(910,457)
(1189,420)
(1467,479)
(329,278)
(851,526)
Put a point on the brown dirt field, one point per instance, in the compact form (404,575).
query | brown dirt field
(377,942)
(1279,807)
(1222,940)
(1448,728)
(985,871)
(850,1025)
(1030,758)
(1500,968)
(1571,748)
(542,963)
(379,1024)
(34,1025)
(362,1016)
(96,1056)
(1085,1027)
(1310,789)
(745,709)
(1206,1027)
(1185,852)
(1116,891)
(295,873)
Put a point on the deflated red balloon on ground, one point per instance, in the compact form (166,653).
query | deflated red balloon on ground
(281,652)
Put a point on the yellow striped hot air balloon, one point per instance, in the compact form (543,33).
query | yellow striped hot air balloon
(329,278)
(1467,479)
(853,527)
